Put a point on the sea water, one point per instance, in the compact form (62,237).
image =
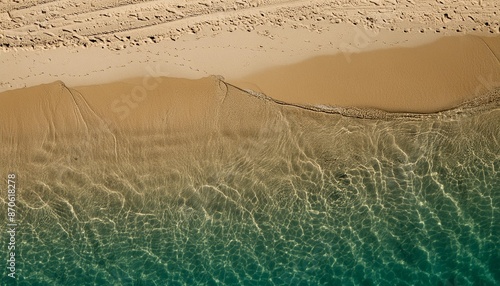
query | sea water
(309,197)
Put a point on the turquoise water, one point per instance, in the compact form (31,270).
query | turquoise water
(307,198)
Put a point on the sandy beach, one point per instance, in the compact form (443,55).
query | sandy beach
(391,55)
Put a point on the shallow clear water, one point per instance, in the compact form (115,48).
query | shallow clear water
(305,198)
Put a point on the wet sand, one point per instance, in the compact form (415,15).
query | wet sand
(427,78)
(31,116)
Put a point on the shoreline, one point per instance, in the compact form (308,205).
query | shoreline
(431,77)
(189,105)
(484,101)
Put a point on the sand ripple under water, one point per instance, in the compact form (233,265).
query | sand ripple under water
(249,191)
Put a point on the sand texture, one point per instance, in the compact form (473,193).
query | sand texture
(43,41)
(208,106)
(427,78)
(108,23)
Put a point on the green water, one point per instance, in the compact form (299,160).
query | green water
(308,198)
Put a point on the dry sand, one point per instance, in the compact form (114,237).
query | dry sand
(392,50)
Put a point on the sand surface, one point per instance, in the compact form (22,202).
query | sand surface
(403,50)
(427,78)
(33,116)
